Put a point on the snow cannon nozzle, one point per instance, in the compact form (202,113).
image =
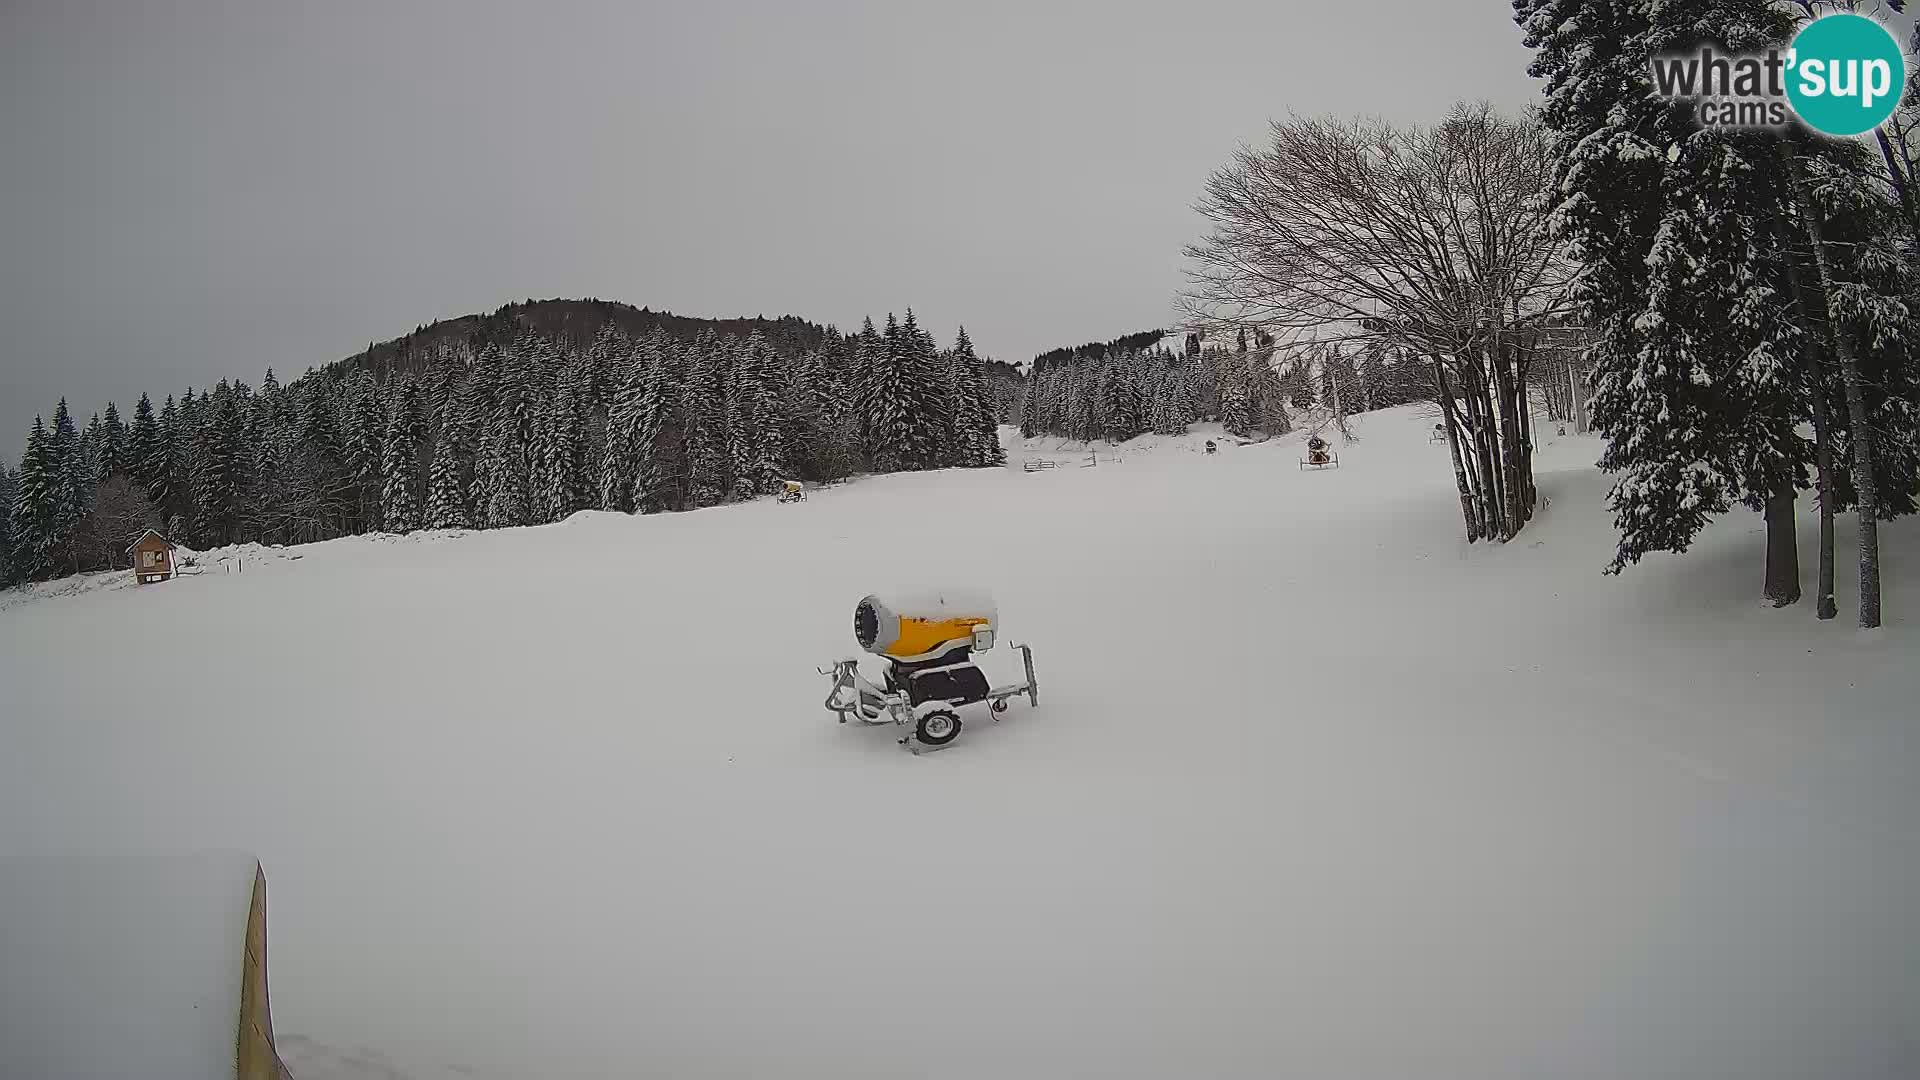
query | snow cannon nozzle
(925,625)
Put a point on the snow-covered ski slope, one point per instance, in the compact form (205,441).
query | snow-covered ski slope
(1315,789)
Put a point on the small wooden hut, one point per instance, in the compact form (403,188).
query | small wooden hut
(152,557)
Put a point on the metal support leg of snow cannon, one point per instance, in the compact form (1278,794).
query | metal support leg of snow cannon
(997,697)
(852,697)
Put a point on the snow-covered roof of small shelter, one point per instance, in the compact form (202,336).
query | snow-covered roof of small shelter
(122,966)
(153,533)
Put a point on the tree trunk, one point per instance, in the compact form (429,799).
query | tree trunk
(1824,607)
(1509,437)
(1488,436)
(1862,437)
(1783,550)
(1478,460)
(1579,399)
(1468,513)
(1531,498)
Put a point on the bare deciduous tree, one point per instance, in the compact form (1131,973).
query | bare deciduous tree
(1432,241)
(121,512)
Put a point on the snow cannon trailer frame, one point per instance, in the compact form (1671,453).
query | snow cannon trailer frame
(928,643)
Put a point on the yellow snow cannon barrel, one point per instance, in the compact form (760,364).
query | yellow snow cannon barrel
(921,626)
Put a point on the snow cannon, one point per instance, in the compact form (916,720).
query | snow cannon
(927,640)
(924,626)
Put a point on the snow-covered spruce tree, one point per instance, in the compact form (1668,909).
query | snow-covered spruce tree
(703,423)
(447,488)
(759,382)
(952,448)
(1674,229)
(822,426)
(1236,404)
(1034,411)
(1115,391)
(266,449)
(361,427)
(143,445)
(321,494)
(977,432)
(156,463)
(658,434)
(503,473)
(185,448)
(504,497)
(920,387)
(802,406)
(9,495)
(472,409)
(93,440)
(583,381)
(618,463)
(869,357)
(464,418)
(600,373)
(991,453)
(1855,288)
(1160,404)
(35,537)
(635,418)
(1266,396)
(72,485)
(557,480)
(1083,402)
(440,384)
(402,507)
(891,398)
(218,469)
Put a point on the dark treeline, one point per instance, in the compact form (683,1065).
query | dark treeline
(1131,386)
(510,419)
(1145,339)
(572,323)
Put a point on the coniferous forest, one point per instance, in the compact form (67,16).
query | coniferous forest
(1133,385)
(518,418)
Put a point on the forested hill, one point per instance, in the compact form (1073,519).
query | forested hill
(570,323)
(521,417)
(1094,350)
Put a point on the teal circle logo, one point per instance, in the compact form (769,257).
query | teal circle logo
(1845,75)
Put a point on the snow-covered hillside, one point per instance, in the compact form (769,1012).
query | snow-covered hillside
(1314,788)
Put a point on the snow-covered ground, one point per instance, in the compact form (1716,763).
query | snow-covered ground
(1314,789)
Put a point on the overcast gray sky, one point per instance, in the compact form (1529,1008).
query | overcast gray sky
(192,190)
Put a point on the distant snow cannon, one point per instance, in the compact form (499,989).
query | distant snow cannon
(928,640)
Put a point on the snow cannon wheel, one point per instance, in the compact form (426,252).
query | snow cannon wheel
(999,705)
(937,727)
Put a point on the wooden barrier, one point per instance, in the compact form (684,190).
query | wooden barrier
(256,1058)
(135,966)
